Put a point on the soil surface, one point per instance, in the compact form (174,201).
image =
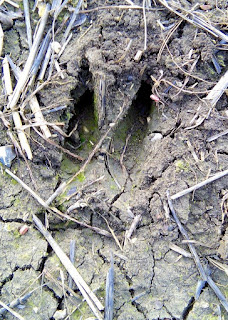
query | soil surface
(148,146)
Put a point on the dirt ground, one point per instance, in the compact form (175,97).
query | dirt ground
(153,147)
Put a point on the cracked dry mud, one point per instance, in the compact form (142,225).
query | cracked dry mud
(150,281)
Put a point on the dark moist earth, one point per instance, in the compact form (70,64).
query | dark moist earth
(149,152)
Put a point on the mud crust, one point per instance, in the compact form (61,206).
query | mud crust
(151,281)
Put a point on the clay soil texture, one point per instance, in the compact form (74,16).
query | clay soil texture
(133,80)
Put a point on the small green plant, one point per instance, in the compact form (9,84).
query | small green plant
(182,166)
(81,177)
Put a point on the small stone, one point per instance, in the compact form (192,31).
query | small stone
(60,314)
(35,309)
(56,46)
(156,136)
(7,154)
(205,7)
(85,129)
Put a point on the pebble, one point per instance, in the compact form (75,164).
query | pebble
(7,154)
(60,314)
(155,136)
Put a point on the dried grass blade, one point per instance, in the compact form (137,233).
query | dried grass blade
(45,64)
(59,147)
(133,226)
(89,296)
(145,25)
(24,76)
(58,7)
(27,22)
(54,210)
(179,250)
(16,117)
(193,19)
(216,136)
(72,259)
(34,194)
(83,224)
(219,265)
(16,70)
(35,107)
(40,57)
(56,193)
(16,302)
(1,39)
(113,234)
(33,103)
(15,314)
(56,4)
(52,279)
(12,3)
(64,45)
(96,148)
(218,90)
(109,298)
(73,18)
(195,256)
(199,185)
